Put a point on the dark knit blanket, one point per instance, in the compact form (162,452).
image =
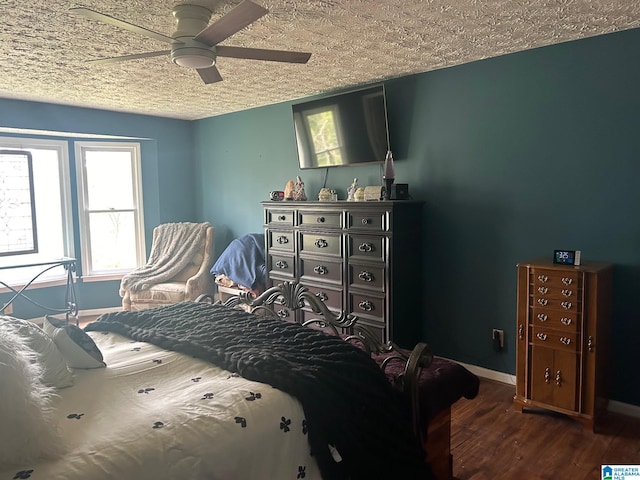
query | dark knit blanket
(348,401)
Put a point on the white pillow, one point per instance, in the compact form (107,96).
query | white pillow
(28,429)
(77,348)
(55,372)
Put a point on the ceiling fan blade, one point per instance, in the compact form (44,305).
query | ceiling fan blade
(87,12)
(129,57)
(234,21)
(262,54)
(209,75)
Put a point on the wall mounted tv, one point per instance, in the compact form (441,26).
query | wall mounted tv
(346,129)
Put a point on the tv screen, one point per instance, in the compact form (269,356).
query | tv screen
(342,130)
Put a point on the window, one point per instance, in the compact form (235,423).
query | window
(51,220)
(110,207)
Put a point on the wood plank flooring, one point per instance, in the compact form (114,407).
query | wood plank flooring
(492,440)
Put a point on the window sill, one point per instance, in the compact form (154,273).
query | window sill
(102,278)
(56,282)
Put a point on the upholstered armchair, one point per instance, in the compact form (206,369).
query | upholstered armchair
(177,269)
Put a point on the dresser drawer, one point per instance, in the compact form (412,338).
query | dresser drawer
(281,265)
(320,219)
(367,306)
(366,276)
(565,292)
(366,246)
(281,240)
(331,298)
(280,217)
(565,321)
(321,244)
(554,279)
(373,221)
(555,303)
(556,340)
(325,270)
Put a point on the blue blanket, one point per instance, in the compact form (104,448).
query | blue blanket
(243,261)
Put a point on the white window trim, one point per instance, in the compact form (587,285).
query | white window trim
(83,214)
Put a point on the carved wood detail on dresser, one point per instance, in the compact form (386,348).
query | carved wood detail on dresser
(363,258)
(562,338)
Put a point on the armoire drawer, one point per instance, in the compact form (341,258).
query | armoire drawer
(555,279)
(367,306)
(325,270)
(281,240)
(370,247)
(331,298)
(555,303)
(554,339)
(366,276)
(281,265)
(565,321)
(321,244)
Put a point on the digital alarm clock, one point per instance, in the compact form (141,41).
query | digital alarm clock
(566,257)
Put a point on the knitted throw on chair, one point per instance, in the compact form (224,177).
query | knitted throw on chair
(174,246)
(347,400)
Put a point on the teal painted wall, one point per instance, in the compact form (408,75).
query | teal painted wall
(513,156)
(167,178)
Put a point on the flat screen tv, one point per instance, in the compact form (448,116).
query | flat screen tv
(346,129)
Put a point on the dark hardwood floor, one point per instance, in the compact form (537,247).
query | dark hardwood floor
(492,440)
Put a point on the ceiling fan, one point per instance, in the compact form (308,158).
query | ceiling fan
(195,44)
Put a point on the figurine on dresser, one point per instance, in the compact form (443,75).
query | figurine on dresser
(298,190)
(351,191)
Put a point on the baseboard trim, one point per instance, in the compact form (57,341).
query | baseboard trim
(614,406)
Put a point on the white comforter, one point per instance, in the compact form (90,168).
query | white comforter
(155,414)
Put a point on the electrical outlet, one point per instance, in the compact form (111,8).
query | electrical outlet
(7,309)
(498,339)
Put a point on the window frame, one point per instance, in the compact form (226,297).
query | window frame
(88,273)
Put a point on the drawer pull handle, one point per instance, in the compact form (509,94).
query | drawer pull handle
(542,336)
(558,378)
(565,321)
(366,221)
(366,305)
(322,296)
(590,344)
(282,218)
(320,219)
(567,280)
(365,247)
(282,240)
(321,243)
(321,269)
(281,264)
(565,340)
(547,375)
(567,293)
(543,278)
(542,317)
(283,313)
(521,332)
(543,290)
(543,301)
(366,276)
(566,305)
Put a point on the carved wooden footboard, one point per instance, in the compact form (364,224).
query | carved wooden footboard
(280,300)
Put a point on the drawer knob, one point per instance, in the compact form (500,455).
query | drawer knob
(543,278)
(321,269)
(366,305)
(590,343)
(566,305)
(365,247)
(565,321)
(282,240)
(543,290)
(282,218)
(320,219)
(283,313)
(567,293)
(542,336)
(558,378)
(281,264)
(543,301)
(565,340)
(542,317)
(322,296)
(366,221)
(567,280)
(547,375)
(366,276)
(321,243)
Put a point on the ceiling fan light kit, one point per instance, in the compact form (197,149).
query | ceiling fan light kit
(194,43)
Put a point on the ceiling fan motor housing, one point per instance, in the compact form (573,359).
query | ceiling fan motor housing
(187,52)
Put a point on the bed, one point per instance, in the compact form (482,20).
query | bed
(259,399)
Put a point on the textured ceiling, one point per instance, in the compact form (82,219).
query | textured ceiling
(44,47)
